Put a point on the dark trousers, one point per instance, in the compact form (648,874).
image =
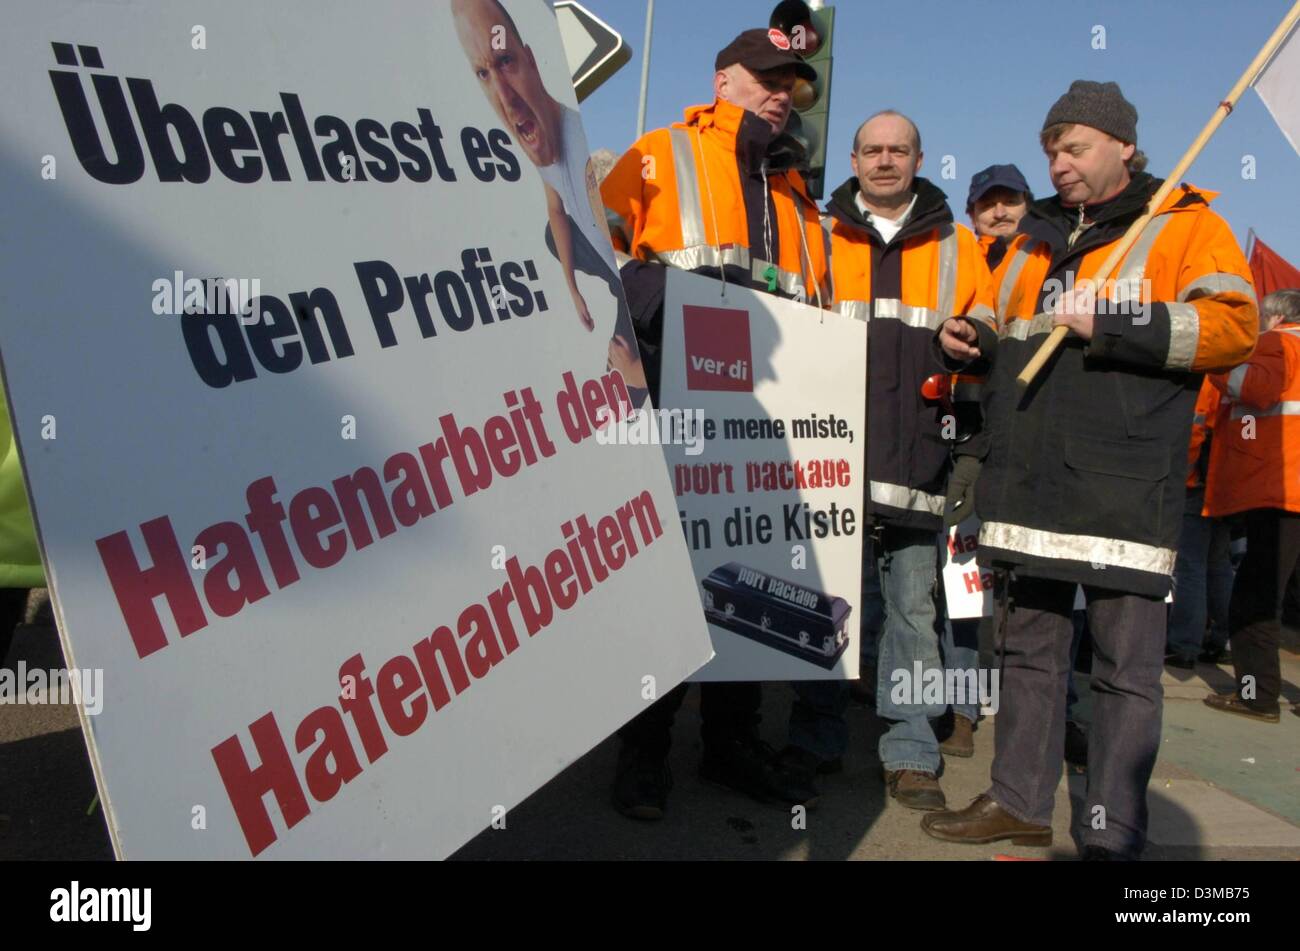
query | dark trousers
(1254,614)
(1128,640)
(728,711)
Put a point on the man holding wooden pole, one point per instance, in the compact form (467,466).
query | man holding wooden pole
(1084,471)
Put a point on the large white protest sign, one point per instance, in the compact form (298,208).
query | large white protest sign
(770,491)
(357,574)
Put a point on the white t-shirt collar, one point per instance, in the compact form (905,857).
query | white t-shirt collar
(886,227)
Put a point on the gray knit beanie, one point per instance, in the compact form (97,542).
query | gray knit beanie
(1100,105)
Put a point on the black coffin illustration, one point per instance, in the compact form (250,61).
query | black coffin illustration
(792,618)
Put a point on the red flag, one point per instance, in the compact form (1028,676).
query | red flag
(1271,271)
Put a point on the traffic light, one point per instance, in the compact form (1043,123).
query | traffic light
(809,31)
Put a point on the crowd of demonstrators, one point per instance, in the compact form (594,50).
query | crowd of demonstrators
(1254,476)
(1166,417)
(1081,484)
(745,215)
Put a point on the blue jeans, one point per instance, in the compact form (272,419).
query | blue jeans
(961,652)
(1202,581)
(908,563)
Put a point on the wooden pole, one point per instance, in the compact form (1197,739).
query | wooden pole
(1058,334)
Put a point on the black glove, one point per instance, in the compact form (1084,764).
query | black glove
(960,501)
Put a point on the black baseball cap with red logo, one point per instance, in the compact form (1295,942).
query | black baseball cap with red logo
(760,50)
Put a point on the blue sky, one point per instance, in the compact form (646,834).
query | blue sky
(978,76)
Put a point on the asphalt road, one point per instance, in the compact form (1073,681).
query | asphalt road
(1224,788)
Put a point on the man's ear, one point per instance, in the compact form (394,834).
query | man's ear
(920,160)
(1126,151)
(721,84)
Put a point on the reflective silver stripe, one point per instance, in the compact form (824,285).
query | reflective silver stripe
(1128,281)
(857,309)
(1291,329)
(1024,329)
(690,211)
(1285,408)
(946,297)
(1235,379)
(1184,332)
(1217,283)
(982,312)
(1010,278)
(890,308)
(1112,552)
(1198,419)
(901,497)
(688,259)
(621,258)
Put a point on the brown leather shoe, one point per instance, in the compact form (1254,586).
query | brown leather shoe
(985,821)
(915,789)
(961,742)
(1231,703)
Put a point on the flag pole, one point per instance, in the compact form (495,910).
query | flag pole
(1058,334)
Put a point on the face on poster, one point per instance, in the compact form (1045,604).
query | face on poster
(769,493)
(304,322)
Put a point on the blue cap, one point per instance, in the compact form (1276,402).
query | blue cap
(996,176)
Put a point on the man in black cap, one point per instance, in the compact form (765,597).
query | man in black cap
(1085,471)
(718,194)
(997,200)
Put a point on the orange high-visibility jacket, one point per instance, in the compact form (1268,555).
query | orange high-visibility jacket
(994,248)
(930,271)
(1203,419)
(1255,453)
(682,196)
(1085,475)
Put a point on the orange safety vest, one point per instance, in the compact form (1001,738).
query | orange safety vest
(1212,311)
(1255,453)
(676,197)
(1084,479)
(931,271)
(944,275)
